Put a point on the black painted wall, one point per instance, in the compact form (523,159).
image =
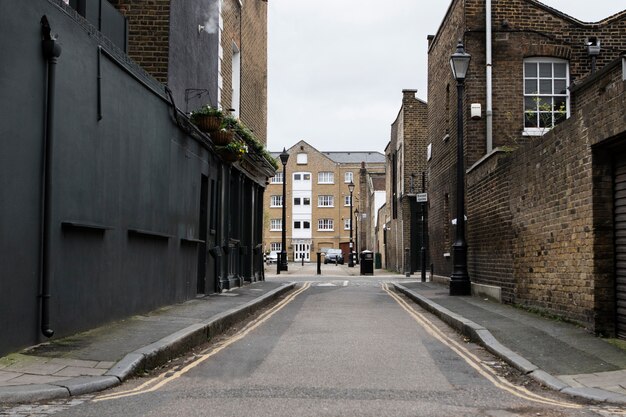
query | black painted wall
(126,187)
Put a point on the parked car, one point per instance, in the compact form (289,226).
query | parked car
(272,257)
(333,255)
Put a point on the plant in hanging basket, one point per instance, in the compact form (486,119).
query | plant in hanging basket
(233,151)
(222,137)
(207,118)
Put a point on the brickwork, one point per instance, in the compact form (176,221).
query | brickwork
(148,34)
(408,142)
(546,243)
(318,162)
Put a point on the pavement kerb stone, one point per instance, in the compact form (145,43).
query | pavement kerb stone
(32,393)
(86,384)
(484,337)
(147,357)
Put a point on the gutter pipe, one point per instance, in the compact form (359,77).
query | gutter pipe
(489,127)
(51,51)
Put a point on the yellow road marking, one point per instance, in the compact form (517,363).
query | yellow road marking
(472,359)
(166,377)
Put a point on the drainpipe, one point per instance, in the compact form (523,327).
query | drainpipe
(51,51)
(489,78)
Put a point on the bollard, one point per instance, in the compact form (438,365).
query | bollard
(423,264)
(302,260)
(319,264)
(278,263)
(407,262)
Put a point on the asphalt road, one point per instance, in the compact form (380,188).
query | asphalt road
(333,347)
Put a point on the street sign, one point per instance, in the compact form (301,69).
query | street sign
(421,197)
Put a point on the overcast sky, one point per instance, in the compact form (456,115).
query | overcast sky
(337,68)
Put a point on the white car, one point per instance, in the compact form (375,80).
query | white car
(271,257)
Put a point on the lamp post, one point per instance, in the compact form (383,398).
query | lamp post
(356,234)
(284,157)
(351,259)
(459,280)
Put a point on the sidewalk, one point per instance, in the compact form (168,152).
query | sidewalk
(559,355)
(106,356)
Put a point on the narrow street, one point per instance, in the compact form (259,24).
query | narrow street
(333,346)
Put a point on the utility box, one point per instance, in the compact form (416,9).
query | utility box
(367,262)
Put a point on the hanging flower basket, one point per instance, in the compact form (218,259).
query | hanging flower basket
(233,152)
(207,123)
(222,137)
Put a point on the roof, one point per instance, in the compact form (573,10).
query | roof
(349,157)
(356,157)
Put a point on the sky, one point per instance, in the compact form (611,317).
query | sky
(337,68)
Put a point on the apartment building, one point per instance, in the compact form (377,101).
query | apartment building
(318,201)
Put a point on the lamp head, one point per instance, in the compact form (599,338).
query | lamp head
(351,187)
(459,61)
(284,156)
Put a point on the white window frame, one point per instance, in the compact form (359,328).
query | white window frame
(276,225)
(348,177)
(346,224)
(346,200)
(325,177)
(532,97)
(276,201)
(325,225)
(278,178)
(276,246)
(322,199)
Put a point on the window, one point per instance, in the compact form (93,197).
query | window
(347,200)
(546,98)
(296,201)
(346,224)
(306,201)
(236,80)
(278,178)
(325,177)
(276,201)
(348,177)
(276,246)
(306,177)
(325,224)
(325,201)
(306,225)
(276,224)
(297,225)
(301,159)
(297,177)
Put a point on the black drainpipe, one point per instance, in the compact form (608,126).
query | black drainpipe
(51,51)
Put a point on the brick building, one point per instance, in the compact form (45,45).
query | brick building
(207,52)
(318,208)
(406,166)
(540,177)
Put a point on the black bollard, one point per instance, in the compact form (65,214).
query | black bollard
(319,264)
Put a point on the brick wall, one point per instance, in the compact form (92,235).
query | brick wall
(148,34)
(543,242)
(316,162)
(408,141)
(254,67)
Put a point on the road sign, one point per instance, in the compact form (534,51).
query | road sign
(421,197)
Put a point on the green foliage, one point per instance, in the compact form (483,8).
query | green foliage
(206,111)
(229,123)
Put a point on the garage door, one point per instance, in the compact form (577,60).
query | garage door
(620,244)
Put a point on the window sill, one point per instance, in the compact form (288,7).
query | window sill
(538,132)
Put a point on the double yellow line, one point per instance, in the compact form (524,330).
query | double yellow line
(161,380)
(472,360)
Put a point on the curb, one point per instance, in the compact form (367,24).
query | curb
(147,357)
(482,336)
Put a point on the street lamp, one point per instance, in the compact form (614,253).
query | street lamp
(351,260)
(356,233)
(284,157)
(459,280)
